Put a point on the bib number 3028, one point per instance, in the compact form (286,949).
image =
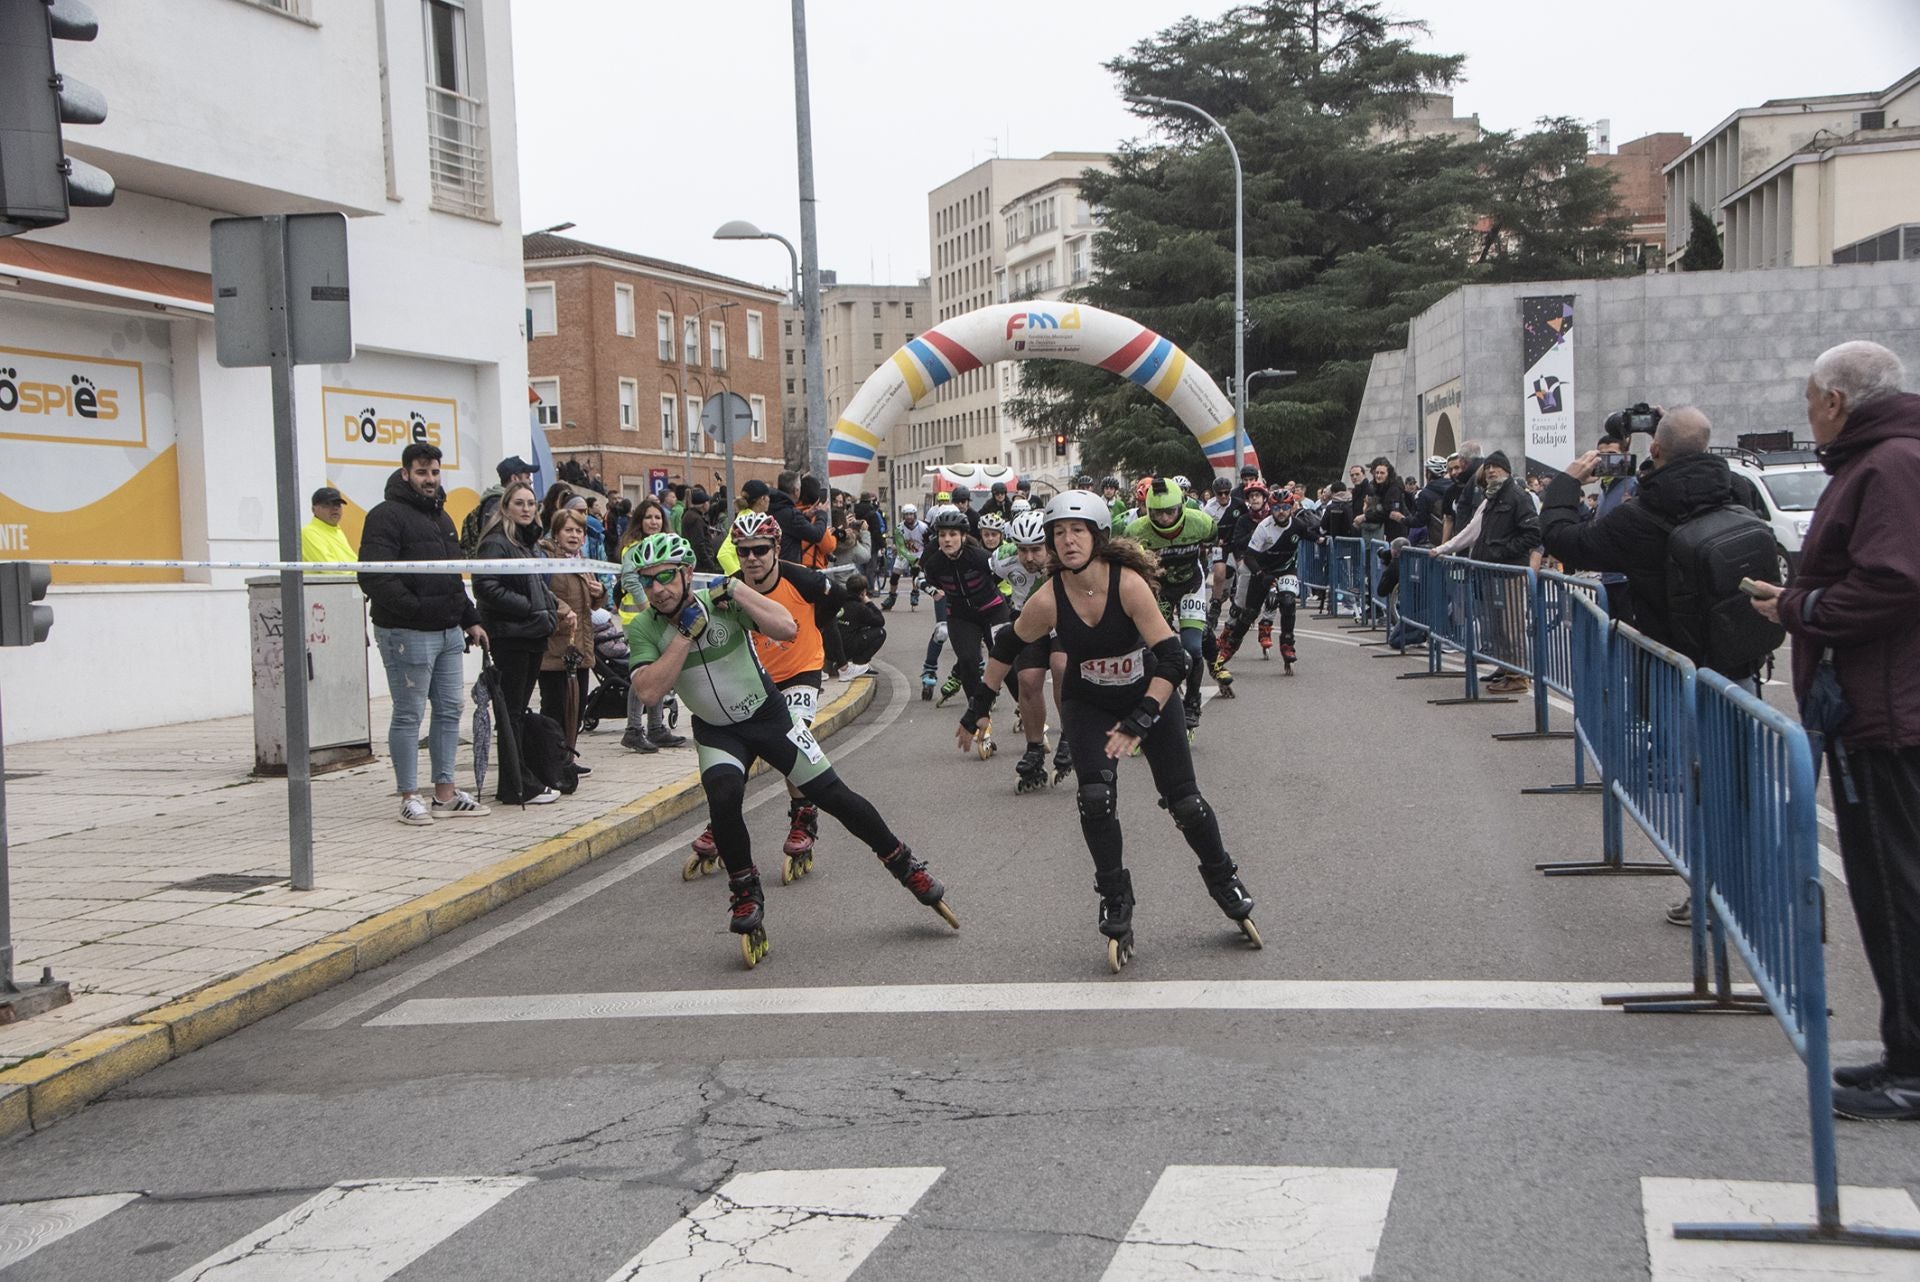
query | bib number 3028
(1114,670)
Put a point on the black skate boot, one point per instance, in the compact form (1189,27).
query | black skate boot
(912,873)
(1062,761)
(1032,769)
(1116,916)
(1191,707)
(1223,883)
(893,599)
(747,915)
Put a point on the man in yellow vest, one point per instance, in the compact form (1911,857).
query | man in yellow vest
(322,539)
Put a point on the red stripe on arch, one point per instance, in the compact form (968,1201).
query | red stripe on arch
(957,356)
(1126,356)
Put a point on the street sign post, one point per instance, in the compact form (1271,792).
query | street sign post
(280,299)
(726,417)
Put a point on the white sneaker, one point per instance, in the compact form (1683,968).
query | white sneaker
(546,798)
(463,806)
(853,670)
(414,811)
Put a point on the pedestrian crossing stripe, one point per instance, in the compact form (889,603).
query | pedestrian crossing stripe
(1225,1223)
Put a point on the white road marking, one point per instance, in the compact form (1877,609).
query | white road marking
(413,976)
(1245,1223)
(356,1231)
(25,1227)
(1668,1201)
(800,1226)
(954,999)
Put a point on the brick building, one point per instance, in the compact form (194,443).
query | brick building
(1640,188)
(622,351)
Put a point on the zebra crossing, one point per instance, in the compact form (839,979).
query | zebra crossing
(1229,1223)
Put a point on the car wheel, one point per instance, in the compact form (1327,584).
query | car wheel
(1784,567)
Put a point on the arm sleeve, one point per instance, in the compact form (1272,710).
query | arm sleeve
(392,592)
(1626,538)
(1876,594)
(1465,538)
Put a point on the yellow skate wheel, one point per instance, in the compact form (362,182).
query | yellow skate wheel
(788,871)
(946,913)
(1252,932)
(754,947)
(692,868)
(1118,955)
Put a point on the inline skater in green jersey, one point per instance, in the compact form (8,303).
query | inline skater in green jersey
(1023,563)
(1181,537)
(695,641)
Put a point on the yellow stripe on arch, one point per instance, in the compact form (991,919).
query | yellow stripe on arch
(853,431)
(916,381)
(1170,376)
(1217,433)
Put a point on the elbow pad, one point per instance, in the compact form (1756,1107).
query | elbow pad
(1006,646)
(1170,660)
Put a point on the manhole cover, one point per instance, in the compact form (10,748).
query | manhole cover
(228,882)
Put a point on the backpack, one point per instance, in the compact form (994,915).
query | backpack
(544,762)
(1713,624)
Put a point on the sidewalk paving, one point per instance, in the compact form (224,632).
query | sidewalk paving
(105,829)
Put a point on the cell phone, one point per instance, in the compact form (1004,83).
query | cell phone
(1753,589)
(1612,465)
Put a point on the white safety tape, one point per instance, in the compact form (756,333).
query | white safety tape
(513,565)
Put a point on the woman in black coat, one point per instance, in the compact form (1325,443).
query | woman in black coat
(518,610)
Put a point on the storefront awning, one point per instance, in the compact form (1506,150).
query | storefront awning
(39,270)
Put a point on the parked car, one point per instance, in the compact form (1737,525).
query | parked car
(1790,483)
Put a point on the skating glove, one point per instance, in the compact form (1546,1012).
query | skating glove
(978,709)
(693,620)
(721,593)
(1141,719)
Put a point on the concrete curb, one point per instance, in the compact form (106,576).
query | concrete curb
(46,1088)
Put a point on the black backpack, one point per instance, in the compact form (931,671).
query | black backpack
(1713,622)
(544,762)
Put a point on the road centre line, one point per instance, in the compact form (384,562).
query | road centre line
(354,1007)
(953,999)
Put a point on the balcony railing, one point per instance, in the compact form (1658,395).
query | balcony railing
(457,152)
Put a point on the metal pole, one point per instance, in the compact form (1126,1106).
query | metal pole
(6,887)
(293,606)
(818,429)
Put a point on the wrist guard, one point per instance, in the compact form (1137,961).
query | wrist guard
(1138,722)
(978,710)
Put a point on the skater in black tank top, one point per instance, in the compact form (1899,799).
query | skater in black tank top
(1123,664)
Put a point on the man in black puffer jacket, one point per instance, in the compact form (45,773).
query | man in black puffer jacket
(422,624)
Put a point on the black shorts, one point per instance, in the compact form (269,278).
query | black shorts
(802,694)
(771,735)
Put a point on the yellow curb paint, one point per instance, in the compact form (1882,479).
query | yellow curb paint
(254,994)
(62,1081)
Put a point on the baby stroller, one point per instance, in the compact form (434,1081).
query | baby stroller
(607,701)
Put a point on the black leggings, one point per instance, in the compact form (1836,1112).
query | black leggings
(1240,620)
(1167,756)
(969,635)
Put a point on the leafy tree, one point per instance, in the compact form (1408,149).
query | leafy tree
(1703,252)
(1350,231)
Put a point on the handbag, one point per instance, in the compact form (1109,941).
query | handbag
(1824,713)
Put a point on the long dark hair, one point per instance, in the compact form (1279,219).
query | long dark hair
(633,531)
(1119,551)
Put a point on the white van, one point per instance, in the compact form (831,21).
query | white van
(1790,483)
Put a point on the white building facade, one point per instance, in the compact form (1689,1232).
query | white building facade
(398,113)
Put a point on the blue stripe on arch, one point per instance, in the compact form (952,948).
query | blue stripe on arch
(850,449)
(930,361)
(1143,374)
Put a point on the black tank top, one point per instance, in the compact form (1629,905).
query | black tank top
(1107,664)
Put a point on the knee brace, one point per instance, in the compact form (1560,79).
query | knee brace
(1189,809)
(1288,600)
(940,634)
(1097,799)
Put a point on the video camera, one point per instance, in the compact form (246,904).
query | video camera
(1635,418)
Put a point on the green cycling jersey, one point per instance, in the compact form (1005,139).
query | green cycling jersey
(722,681)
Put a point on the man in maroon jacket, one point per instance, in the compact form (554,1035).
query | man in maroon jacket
(1854,598)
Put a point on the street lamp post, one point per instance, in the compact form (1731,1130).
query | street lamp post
(808,301)
(1239,277)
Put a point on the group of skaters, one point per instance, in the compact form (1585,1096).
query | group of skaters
(1126,604)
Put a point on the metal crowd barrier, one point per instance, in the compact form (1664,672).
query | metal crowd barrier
(1314,568)
(1582,641)
(1758,874)
(1457,623)
(1550,627)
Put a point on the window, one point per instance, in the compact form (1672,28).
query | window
(756,348)
(910,336)
(759,406)
(693,420)
(876,342)
(909,311)
(623,310)
(629,405)
(789,418)
(547,412)
(789,387)
(669,432)
(786,327)
(663,329)
(789,356)
(876,311)
(456,115)
(717,343)
(690,339)
(540,305)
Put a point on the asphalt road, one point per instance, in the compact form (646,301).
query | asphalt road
(1406,1090)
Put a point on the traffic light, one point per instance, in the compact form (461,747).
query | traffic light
(24,619)
(38,181)
(1059,444)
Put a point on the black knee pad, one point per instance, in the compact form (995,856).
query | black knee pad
(1097,799)
(725,786)
(1188,809)
(1288,600)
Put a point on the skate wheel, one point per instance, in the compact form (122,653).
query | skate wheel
(984,747)
(1264,656)
(788,871)
(754,947)
(946,913)
(692,868)
(1192,734)
(1119,953)
(1252,932)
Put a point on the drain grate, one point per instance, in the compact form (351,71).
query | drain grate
(229,882)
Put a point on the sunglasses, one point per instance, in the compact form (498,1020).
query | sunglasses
(664,577)
(754,549)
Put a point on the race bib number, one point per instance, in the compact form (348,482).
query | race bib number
(801,701)
(1287,583)
(1193,606)
(1114,670)
(802,738)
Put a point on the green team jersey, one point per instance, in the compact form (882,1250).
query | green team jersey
(1017,582)
(1118,508)
(1182,552)
(722,681)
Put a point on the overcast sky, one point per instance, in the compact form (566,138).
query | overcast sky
(649,122)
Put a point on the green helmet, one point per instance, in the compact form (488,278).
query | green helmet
(1164,493)
(664,548)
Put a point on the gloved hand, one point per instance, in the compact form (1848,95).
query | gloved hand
(1141,719)
(693,620)
(722,591)
(978,710)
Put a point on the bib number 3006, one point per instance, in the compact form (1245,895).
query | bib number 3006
(1114,670)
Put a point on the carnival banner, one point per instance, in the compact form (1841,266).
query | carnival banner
(1546,337)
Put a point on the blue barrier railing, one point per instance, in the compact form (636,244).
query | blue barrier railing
(1550,625)
(1313,568)
(1457,619)
(1760,875)
(1586,633)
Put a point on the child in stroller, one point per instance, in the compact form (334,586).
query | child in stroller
(608,701)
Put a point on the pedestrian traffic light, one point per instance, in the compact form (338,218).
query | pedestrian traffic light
(38,181)
(1059,444)
(24,620)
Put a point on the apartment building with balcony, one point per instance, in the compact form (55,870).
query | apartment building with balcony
(397,113)
(623,352)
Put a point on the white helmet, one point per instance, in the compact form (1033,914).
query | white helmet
(1019,506)
(1028,529)
(908,509)
(1185,485)
(1080,505)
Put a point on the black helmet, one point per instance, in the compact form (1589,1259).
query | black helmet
(1249,473)
(1083,482)
(1221,485)
(962,495)
(951,518)
(1105,481)
(1000,489)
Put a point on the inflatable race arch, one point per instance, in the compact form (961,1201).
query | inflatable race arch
(1027,331)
